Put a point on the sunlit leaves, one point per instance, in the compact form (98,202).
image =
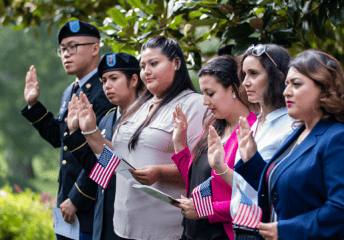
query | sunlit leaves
(238,22)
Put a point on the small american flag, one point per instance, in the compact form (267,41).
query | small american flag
(202,199)
(105,167)
(248,214)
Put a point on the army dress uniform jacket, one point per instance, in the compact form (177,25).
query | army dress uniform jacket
(104,206)
(73,181)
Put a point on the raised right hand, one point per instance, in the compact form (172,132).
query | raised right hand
(31,91)
(216,152)
(73,114)
(246,144)
(87,117)
(180,129)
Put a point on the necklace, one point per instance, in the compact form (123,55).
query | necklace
(157,101)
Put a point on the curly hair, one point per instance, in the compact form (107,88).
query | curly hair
(328,74)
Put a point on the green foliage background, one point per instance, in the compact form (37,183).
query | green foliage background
(22,149)
(24,217)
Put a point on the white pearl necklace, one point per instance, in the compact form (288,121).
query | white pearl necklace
(157,101)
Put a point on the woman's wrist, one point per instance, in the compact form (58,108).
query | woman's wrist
(221,169)
(179,147)
(89,132)
(248,157)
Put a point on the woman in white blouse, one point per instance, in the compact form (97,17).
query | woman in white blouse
(143,138)
(263,71)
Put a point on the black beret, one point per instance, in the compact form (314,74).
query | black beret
(117,62)
(77,28)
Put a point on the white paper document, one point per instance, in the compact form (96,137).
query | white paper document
(123,169)
(155,193)
(65,229)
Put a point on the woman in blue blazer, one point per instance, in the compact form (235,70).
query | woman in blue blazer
(301,190)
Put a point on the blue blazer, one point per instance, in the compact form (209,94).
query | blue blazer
(308,188)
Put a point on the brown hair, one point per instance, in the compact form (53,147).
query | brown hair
(225,71)
(273,94)
(327,73)
(129,74)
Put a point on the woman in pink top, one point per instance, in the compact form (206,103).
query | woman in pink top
(227,100)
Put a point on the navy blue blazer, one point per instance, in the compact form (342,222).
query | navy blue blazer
(73,180)
(104,207)
(308,188)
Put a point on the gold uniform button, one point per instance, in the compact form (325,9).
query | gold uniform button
(64,162)
(65,148)
(88,85)
(103,131)
(103,191)
(65,134)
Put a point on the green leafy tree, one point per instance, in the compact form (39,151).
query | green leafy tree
(125,25)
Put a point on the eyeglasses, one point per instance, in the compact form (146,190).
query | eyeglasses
(259,50)
(71,49)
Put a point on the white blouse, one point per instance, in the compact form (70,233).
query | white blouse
(275,130)
(137,214)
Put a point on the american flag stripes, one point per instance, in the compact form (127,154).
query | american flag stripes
(248,214)
(105,167)
(202,199)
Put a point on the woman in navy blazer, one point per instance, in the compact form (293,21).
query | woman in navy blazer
(301,190)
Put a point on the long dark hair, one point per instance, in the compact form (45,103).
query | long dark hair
(129,74)
(328,74)
(171,49)
(273,95)
(225,71)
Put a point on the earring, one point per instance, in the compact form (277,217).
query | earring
(176,69)
(233,96)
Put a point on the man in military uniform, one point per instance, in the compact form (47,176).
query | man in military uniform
(79,52)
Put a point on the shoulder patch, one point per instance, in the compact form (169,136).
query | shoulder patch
(111,110)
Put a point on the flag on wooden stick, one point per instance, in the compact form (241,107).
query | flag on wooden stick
(105,167)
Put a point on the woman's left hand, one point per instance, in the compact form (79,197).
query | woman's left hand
(188,208)
(268,230)
(146,175)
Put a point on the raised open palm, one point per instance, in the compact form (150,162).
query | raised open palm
(180,129)
(216,152)
(87,117)
(31,91)
(246,144)
(73,114)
